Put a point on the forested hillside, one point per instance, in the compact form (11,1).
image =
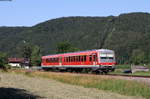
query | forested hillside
(9,37)
(127,34)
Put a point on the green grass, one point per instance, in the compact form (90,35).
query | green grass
(142,73)
(124,87)
(127,66)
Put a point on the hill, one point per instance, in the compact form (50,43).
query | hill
(9,37)
(127,34)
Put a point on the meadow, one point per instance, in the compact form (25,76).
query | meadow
(124,87)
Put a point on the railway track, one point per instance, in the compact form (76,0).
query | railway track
(119,75)
(125,75)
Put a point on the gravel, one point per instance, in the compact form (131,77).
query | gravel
(17,86)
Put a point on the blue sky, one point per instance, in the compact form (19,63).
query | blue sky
(31,12)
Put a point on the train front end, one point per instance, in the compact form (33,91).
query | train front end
(106,59)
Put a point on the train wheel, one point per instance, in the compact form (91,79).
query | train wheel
(105,72)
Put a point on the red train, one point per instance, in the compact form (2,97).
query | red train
(99,61)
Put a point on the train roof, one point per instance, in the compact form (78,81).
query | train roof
(100,50)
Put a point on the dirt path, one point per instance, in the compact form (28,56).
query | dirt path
(13,86)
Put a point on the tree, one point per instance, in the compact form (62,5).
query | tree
(138,57)
(36,56)
(3,60)
(64,47)
(32,54)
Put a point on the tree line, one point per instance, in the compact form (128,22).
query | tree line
(33,54)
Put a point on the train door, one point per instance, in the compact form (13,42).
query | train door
(90,60)
(60,61)
(93,59)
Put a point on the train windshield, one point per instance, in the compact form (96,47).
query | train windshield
(107,57)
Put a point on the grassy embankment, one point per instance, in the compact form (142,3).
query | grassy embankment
(124,87)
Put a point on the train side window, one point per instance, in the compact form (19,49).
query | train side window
(76,58)
(53,60)
(85,58)
(66,59)
(82,59)
(46,60)
(58,60)
(79,58)
(69,58)
(94,57)
(72,59)
(90,58)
